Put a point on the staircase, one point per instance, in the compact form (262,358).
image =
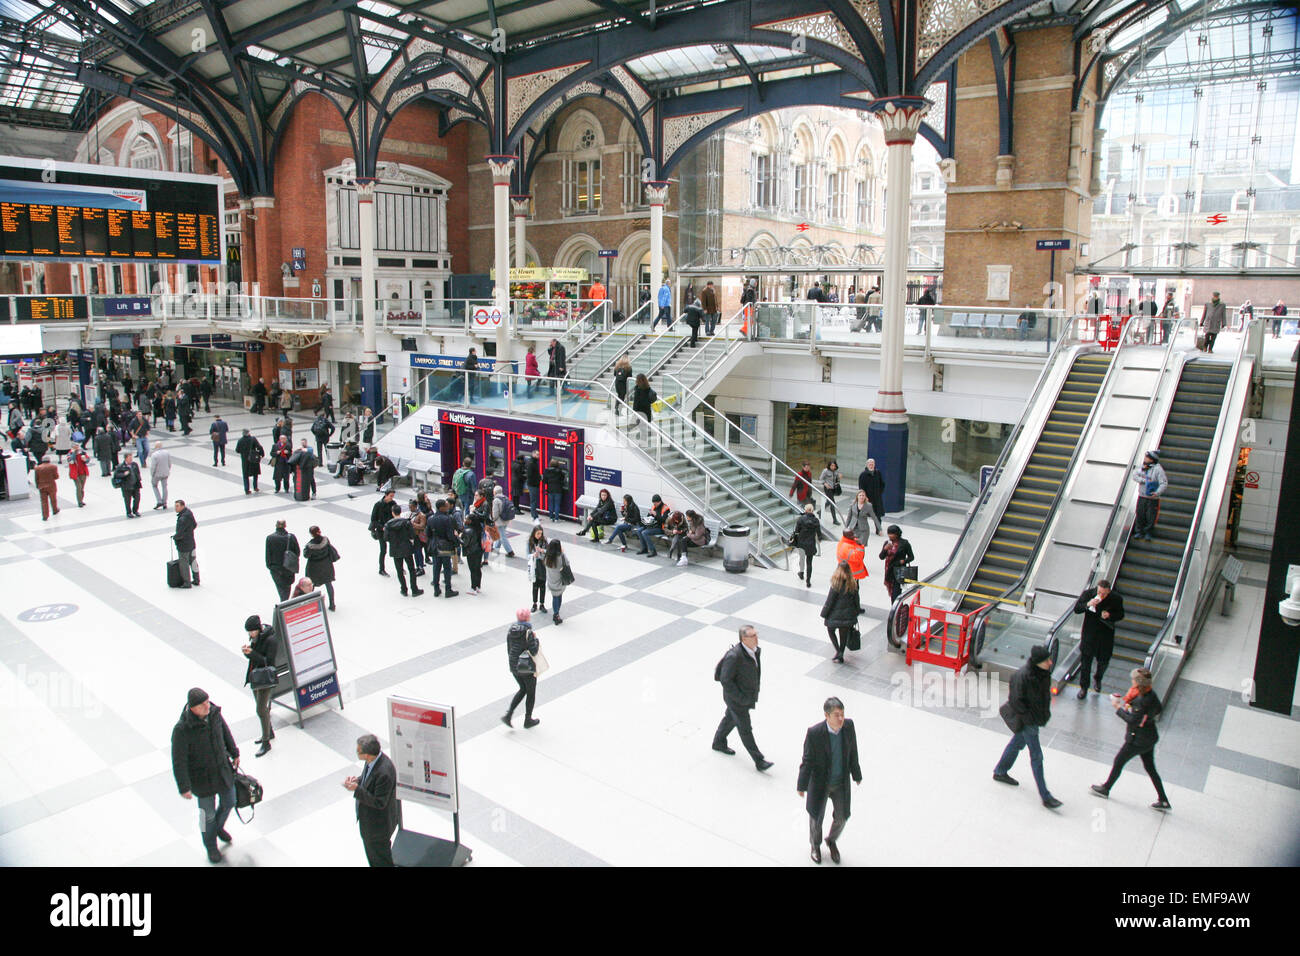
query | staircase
(597,357)
(1149,570)
(687,364)
(738,496)
(1021,526)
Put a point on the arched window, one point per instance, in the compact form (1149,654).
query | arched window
(866,190)
(582,140)
(144,154)
(805,189)
(836,183)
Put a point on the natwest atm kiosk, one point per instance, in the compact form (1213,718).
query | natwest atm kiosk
(491,443)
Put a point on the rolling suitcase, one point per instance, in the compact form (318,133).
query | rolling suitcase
(300,490)
(174,571)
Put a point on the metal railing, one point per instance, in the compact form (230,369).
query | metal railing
(721,333)
(585,400)
(1154,660)
(618,346)
(753,445)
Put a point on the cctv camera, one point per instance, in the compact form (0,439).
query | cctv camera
(1289,610)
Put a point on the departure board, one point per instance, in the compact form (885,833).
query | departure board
(77,212)
(46,308)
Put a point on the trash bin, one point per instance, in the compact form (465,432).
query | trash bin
(735,547)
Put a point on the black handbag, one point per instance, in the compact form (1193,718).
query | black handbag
(525,665)
(905,571)
(566,574)
(854,641)
(1010,718)
(290,561)
(248,793)
(260,678)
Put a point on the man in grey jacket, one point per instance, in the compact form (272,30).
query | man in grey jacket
(160,469)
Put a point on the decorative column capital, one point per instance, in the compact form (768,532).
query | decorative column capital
(502,167)
(520,205)
(656,192)
(1006,165)
(366,188)
(900,116)
(263,202)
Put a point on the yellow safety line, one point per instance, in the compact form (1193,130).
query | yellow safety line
(974,594)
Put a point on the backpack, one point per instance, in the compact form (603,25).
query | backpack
(461,485)
(507,509)
(717,670)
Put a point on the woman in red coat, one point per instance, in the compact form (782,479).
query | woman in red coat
(79,471)
(802,486)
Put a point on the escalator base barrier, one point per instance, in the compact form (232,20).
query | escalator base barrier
(928,627)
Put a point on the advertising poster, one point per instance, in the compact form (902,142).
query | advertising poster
(305,633)
(422,742)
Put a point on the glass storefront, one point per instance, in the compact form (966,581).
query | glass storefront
(944,455)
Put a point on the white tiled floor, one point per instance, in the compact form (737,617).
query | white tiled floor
(620,767)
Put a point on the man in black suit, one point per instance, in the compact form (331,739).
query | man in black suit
(1102,608)
(377,806)
(830,757)
(739,672)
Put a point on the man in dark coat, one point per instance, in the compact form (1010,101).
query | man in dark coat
(534,481)
(379,515)
(694,314)
(400,537)
(321,430)
(259,397)
(709,303)
(250,452)
(518,477)
(830,758)
(279,544)
(1102,608)
(126,477)
(872,481)
(204,760)
(327,403)
(559,365)
(385,471)
(1028,707)
(377,806)
(217,432)
(740,672)
(184,538)
(305,462)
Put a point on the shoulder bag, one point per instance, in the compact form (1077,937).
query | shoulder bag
(248,793)
(566,573)
(260,678)
(540,664)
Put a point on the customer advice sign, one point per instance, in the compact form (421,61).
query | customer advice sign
(304,631)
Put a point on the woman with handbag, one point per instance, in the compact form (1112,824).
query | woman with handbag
(472,543)
(830,479)
(320,556)
(841,609)
(859,517)
(603,515)
(536,550)
(420,525)
(807,532)
(261,675)
(558,577)
(897,554)
(521,648)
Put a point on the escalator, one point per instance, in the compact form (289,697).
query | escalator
(1018,533)
(1149,570)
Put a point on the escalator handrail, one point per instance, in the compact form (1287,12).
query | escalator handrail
(582,320)
(1202,497)
(1067,330)
(596,332)
(655,338)
(1088,426)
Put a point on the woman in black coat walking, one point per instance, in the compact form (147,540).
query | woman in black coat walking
(841,609)
(643,399)
(1139,708)
(320,556)
(807,532)
(472,545)
(521,645)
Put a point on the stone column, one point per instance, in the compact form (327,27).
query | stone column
(372,385)
(887,434)
(247,247)
(519,205)
(501,167)
(268,268)
(656,194)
